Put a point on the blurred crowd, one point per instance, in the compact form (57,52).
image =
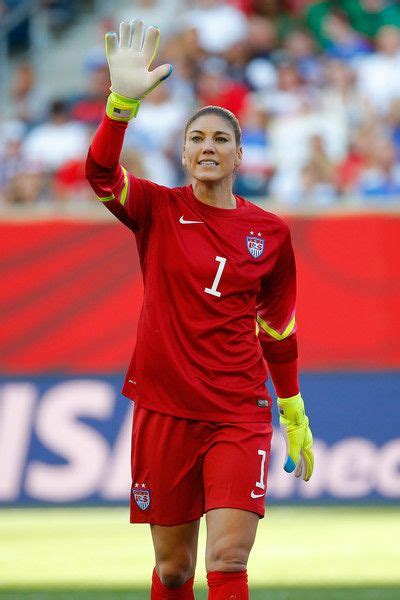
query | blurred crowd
(315,85)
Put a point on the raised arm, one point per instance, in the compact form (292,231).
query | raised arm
(129,60)
(277,334)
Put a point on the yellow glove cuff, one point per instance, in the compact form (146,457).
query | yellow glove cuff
(120,108)
(292,408)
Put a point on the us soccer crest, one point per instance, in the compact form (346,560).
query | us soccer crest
(141,496)
(255,244)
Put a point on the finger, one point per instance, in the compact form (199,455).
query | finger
(111,42)
(150,44)
(299,468)
(308,454)
(137,34)
(309,463)
(124,34)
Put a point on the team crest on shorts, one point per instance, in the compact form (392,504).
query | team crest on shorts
(255,244)
(141,495)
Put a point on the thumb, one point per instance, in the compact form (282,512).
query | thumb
(157,76)
(293,448)
(161,73)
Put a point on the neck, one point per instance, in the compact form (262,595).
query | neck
(217,194)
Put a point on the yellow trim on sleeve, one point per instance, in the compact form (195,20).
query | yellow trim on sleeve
(125,188)
(106,199)
(275,334)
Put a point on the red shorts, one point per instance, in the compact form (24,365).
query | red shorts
(183,468)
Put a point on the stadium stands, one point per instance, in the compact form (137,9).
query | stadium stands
(316,86)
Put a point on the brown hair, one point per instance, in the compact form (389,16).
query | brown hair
(220,112)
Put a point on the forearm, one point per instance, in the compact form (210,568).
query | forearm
(281,358)
(285,378)
(103,170)
(107,143)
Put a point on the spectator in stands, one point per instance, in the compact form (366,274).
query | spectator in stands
(317,183)
(380,179)
(26,188)
(256,169)
(368,16)
(57,140)
(300,48)
(313,183)
(378,75)
(95,57)
(237,58)
(19,182)
(262,41)
(11,162)
(28,101)
(158,133)
(213,86)
(347,93)
(291,97)
(348,171)
(210,19)
(314,14)
(393,123)
(341,97)
(343,42)
(89,108)
(186,64)
(152,12)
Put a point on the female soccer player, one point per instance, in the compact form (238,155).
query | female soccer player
(212,263)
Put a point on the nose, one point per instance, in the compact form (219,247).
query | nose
(208,145)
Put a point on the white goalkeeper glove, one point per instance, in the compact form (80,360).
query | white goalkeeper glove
(129,61)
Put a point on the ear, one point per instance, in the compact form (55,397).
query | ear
(239,157)
(184,157)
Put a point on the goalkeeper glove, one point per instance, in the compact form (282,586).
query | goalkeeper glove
(129,62)
(298,437)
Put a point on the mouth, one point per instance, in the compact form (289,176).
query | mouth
(208,163)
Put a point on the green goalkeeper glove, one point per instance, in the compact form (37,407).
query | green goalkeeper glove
(129,62)
(298,437)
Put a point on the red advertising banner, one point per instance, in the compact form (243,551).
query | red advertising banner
(71,293)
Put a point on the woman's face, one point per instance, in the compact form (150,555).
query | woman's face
(210,153)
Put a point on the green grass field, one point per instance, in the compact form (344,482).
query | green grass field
(300,553)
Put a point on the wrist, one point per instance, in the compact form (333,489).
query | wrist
(121,108)
(292,408)
(291,399)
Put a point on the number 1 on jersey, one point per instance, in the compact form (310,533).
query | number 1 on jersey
(213,289)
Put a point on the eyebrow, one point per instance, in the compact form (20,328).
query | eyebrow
(215,132)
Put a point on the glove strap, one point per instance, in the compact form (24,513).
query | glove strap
(292,408)
(120,108)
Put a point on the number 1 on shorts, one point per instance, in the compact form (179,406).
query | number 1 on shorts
(261,484)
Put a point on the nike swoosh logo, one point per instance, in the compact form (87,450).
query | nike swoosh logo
(253,495)
(184,222)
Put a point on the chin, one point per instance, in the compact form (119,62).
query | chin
(208,176)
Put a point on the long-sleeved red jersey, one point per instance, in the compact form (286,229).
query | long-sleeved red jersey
(208,274)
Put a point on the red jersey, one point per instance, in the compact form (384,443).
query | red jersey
(208,273)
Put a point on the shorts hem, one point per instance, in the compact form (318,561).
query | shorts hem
(260,514)
(164,523)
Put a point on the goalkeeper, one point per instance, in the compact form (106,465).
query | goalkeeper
(213,263)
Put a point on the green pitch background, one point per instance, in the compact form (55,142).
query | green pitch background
(300,553)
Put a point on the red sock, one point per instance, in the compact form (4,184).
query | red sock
(227,586)
(160,592)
